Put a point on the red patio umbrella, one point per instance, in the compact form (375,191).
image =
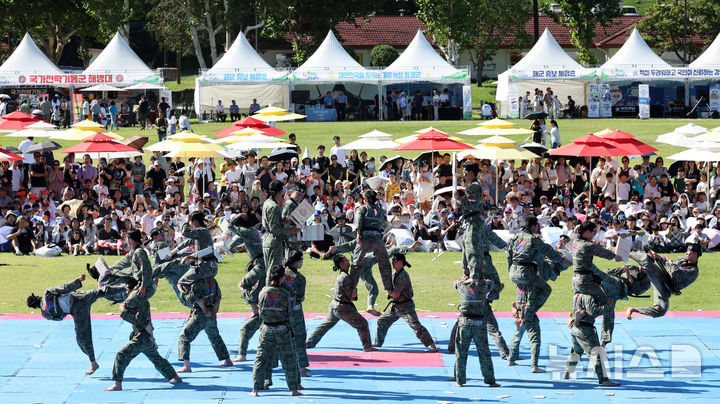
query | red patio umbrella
(589,146)
(8,156)
(432,142)
(629,142)
(15,121)
(250,122)
(99,143)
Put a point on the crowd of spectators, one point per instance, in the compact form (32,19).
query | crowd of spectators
(83,206)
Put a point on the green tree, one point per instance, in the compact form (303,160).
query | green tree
(305,23)
(582,17)
(383,55)
(666,23)
(477,26)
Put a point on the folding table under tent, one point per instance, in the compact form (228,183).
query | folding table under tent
(241,74)
(329,66)
(420,63)
(545,65)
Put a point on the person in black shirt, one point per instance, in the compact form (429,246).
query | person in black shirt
(22,237)
(323,249)
(164,106)
(263,173)
(105,236)
(157,178)
(336,170)
(444,171)
(322,163)
(38,174)
(665,187)
(143,113)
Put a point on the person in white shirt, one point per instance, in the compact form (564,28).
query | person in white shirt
(172,123)
(339,151)
(23,147)
(3,107)
(184,122)
(220,111)
(232,176)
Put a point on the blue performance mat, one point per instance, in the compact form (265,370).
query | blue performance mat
(670,360)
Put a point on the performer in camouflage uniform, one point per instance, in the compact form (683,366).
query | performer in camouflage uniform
(342,308)
(587,278)
(136,311)
(471,328)
(676,276)
(275,334)
(402,305)
(169,268)
(59,301)
(200,321)
(525,251)
(370,220)
(276,233)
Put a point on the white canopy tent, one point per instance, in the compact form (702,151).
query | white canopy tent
(241,74)
(631,59)
(545,65)
(331,64)
(26,61)
(710,58)
(118,65)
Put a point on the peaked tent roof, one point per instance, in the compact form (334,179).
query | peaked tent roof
(331,63)
(241,55)
(546,53)
(710,57)
(419,53)
(117,56)
(28,58)
(635,53)
(330,54)
(420,62)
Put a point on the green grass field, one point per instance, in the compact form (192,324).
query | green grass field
(21,275)
(432,281)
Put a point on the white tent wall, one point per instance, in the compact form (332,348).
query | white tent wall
(561,88)
(207,96)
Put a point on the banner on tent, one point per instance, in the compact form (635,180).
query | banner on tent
(513,101)
(644,101)
(244,76)
(594,96)
(467,102)
(124,78)
(714,94)
(673,73)
(321,75)
(551,74)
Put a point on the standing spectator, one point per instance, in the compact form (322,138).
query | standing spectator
(164,107)
(354,166)
(322,163)
(112,109)
(234,111)
(402,103)
(254,107)
(87,171)
(417,107)
(341,105)
(39,174)
(339,151)
(184,122)
(143,112)
(445,99)
(554,134)
(137,171)
(436,104)
(156,178)
(220,111)
(172,123)
(161,125)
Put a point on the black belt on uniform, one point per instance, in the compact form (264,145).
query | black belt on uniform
(341,302)
(276,324)
(473,316)
(392,301)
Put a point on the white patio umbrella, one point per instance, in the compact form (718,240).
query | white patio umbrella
(375,134)
(33,133)
(372,143)
(102,87)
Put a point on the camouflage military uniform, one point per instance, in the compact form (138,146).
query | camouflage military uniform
(276,234)
(471,327)
(59,301)
(170,268)
(199,321)
(202,267)
(524,252)
(617,286)
(252,283)
(370,220)
(135,264)
(248,236)
(367,275)
(584,336)
(587,278)
(137,313)
(682,275)
(275,337)
(288,208)
(401,306)
(296,282)
(342,308)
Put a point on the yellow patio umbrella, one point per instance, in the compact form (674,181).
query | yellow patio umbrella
(82,134)
(87,125)
(499,141)
(271,111)
(496,123)
(712,136)
(197,149)
(275,114)
(185,135)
